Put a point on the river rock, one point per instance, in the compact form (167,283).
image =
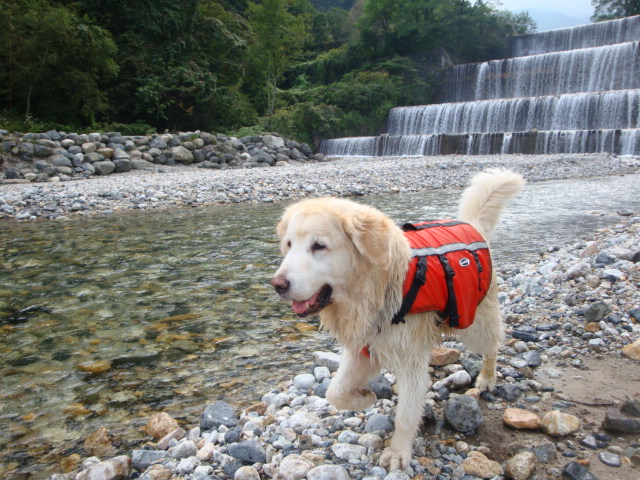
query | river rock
(378,422)
(328,472)
(454,381)
(112,469)
(181,154)
(246,473)
(216,414)
(444,356)
(615,421)
(160,425)
(558,424)
(463,413)
(293,467)
(478,465)
(248,451)
(104,167)
(575,471)
(99,443)
(521,466)
(520,419)
(347,451)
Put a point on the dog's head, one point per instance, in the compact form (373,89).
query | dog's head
(328,246)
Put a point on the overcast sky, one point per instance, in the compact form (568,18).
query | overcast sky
(552,14)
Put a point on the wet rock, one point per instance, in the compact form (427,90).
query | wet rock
(99,443)
(478,465)
(160,425)
(521,466)
(520,419)
(558,424)
(463,413)
(216,414)
(97,366)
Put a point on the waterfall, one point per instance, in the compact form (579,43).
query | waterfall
(537,75)
(591,35)
(574,90)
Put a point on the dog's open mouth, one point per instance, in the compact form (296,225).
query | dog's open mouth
(313,305)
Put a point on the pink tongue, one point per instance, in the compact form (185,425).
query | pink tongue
(299,307)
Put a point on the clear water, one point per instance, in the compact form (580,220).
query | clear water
(175,307)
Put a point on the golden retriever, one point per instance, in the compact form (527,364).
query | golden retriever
(347,262)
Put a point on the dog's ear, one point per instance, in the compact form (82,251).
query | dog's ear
(370,234)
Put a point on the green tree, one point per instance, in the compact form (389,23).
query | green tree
(53,62)
(610,9)
(278,40)
(180,62)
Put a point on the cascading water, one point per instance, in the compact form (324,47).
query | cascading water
(581,95)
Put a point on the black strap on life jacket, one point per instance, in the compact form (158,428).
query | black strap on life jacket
(451,309)
(418,281)
(410,227)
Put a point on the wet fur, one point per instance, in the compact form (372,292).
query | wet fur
(371,259)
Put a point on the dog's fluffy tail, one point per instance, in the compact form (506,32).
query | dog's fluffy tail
(485,198)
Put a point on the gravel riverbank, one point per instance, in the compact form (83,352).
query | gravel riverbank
(180,186)
(567,404)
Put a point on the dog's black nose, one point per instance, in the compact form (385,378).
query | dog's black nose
(280,283)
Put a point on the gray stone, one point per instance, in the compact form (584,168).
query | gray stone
(381,387)
(122,165)
(216,414)
(610,459)
(184,449)
(327,359)
(248,452)
(181,154)
(463,413)
(141,459)
(187,465)
(42,151)
(508,391)
(616,421)
(61,161)
(138,164)
(272,142)
(104,167)
(378,422)
(328,472)
(348,451)
(12,173)
(596,311)
(575,471)
(304,381)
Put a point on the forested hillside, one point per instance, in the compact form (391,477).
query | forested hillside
(307,69)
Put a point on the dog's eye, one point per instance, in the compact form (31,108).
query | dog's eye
(318,246)
(288,243)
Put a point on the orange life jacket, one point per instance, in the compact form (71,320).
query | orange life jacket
(449,271)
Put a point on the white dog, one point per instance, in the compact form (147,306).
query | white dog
(348,262)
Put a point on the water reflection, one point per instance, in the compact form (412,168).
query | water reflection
(105,321)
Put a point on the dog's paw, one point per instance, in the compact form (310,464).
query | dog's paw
(486,383)
(353,400)
(393,459)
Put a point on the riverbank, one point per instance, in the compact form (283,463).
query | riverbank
(567,402)
(189,186)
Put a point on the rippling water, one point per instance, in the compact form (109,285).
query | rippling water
(106,321)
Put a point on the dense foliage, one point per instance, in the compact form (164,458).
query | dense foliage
(306,68)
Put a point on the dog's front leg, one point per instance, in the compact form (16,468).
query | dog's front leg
(349,390)
(412,382)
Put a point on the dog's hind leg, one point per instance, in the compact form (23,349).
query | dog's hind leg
(349,390)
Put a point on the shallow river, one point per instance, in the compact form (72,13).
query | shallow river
(106,321)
